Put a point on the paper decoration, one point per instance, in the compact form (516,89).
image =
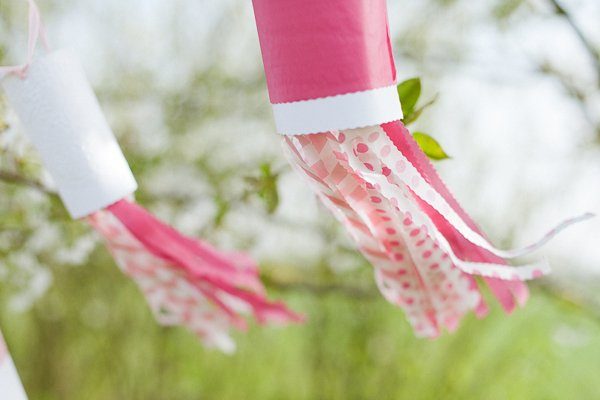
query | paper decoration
(186,282)
(59,112)
(331,79)
(10,384)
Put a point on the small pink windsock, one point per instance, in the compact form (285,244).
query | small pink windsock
(332,84)
(186,282)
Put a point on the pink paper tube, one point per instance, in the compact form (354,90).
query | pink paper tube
(316,48)
(328,64)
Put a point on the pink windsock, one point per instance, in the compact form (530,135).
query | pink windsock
(332,84)
(186,282)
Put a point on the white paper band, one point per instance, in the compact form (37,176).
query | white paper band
(60,113)
(347,111)
(10,384)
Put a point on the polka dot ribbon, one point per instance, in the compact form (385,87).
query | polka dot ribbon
(407,228)
(185,281)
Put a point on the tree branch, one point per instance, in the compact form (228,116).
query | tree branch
(593,52)
(14,178)
(570,298)
(320,289)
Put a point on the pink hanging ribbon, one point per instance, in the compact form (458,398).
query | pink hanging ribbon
(36,32)
(508,293)
(185,281)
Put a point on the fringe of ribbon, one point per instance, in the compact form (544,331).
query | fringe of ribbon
(424,248)
(187,282)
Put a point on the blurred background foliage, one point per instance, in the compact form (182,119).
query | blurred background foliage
(181,83)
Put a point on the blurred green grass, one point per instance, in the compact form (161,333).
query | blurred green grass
(93,337)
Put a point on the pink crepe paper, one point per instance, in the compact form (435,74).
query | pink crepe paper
(187,282)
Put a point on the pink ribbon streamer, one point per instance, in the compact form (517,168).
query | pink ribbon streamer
(410,269)
(381,186)
(187,282)
(368,160)
(507,292)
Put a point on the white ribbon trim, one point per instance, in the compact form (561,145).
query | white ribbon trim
(394,186)
(346,111)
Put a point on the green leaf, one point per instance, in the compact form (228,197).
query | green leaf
(265,186)
(222,210)
(409,92)
(430,146)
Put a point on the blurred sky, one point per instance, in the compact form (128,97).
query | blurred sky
(523,151)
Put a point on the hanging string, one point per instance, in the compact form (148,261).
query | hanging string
(36,32)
